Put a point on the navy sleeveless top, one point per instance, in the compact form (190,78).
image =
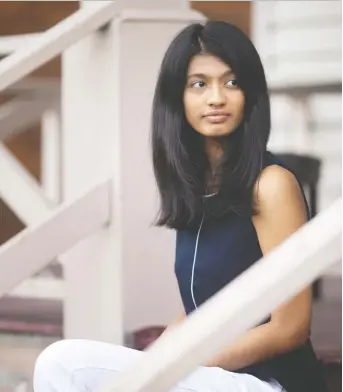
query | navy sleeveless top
(212,255)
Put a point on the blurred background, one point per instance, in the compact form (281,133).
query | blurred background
(300,45)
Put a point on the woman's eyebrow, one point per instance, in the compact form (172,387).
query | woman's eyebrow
(203,76)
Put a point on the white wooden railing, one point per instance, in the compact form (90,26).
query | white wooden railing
(79,219)
(69,223)
(11,43)
(35,209)
(55,41)
(52,229)
(87,211)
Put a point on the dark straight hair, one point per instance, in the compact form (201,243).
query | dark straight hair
(179,157)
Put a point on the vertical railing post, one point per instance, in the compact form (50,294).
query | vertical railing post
(91,151)
(108,83)
(51,153)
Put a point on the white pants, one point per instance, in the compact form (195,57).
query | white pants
(83,366)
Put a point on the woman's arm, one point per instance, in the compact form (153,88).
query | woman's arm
(281,212)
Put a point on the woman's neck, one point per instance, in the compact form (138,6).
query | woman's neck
(214,152)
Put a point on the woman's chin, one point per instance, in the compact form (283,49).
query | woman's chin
(216,132)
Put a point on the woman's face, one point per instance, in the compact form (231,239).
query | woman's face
(214,104)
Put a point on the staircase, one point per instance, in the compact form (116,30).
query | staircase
(27,326)
(23,337)
(18,355)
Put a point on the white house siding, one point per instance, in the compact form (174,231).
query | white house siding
(300,43)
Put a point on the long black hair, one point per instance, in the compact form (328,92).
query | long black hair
(179,157)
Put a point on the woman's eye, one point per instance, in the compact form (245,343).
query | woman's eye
(232,82)
(198,84)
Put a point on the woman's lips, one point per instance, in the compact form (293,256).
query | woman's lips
(217,118)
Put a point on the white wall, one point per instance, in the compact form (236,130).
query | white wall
(299,41)
(300,44)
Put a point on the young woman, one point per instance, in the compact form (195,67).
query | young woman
(231,202)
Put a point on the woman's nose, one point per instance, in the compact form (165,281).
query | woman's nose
(216,97)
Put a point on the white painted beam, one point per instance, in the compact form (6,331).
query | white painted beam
(161,16)
(35,87)
(11,43)
(91,149)
(55,40)
(23,386)
(290,76)
(323,12)
(51,153)
(19,114)
(44,288)
(21,191)
(267,284)
(313,38)
(297,41)
(334,270)
(33,248)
